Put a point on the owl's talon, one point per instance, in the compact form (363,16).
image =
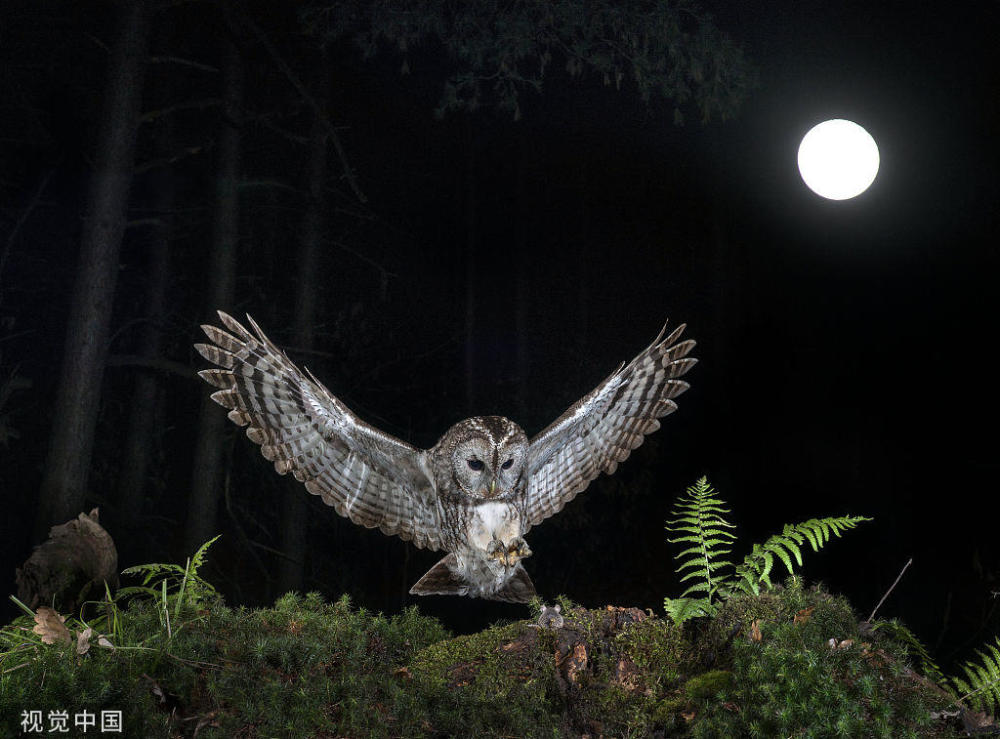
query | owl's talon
(517,550)
(496,550)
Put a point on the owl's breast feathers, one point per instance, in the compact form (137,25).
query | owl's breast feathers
(470,569)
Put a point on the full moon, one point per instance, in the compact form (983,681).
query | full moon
(838,159)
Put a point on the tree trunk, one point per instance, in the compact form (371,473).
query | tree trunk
(585,261)
(470,270)
(207,464)
(77,403)
(522,278)
(141,428)
(295,513)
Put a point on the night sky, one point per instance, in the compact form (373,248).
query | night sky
(845,347)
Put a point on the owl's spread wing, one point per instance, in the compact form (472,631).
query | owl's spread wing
(602,428)
(368,476)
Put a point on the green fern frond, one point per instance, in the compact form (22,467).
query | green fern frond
(982,688)
(183,581)
(153,569)
(681,609)
(756,566)
(199,557)
(699,521)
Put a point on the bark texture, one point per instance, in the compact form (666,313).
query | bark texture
(79,390)
(206,474)
(295,513)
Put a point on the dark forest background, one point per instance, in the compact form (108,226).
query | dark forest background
(430,261)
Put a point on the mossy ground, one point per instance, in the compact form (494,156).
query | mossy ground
(305,668)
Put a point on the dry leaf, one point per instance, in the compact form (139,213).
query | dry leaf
(403,672)
(576,663)
(102,641)
(689,715)
(83,641)
(49,625)
(755,630)
(802,616)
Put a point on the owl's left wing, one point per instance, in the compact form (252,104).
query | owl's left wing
(602,428)
(368,476)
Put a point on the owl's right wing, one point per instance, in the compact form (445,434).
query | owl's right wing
(370,477)
(603,427)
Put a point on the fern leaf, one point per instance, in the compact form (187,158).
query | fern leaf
(782,555)
(698,521)
(982,691)
(699,587)
(701,572)
(682,609)
(928,667)
(785,545)
(815,540)
(749,583)
(794,533)
(199,557)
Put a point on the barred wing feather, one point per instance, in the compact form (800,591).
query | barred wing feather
(603,427)
(368,476)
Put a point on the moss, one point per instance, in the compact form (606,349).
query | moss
(298,669)
(708,684)
(790,680)
(763,667)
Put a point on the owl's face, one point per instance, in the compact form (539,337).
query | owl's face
(488,456)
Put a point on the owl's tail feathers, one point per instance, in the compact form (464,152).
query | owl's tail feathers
(519,589)
(442,579)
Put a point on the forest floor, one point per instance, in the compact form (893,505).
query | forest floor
(788,662)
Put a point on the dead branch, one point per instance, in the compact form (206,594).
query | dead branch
(199,104)
(183,62)
(311,101)
(161,365)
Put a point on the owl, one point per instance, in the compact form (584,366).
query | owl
(478,491)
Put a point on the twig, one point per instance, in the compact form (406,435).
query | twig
(383,272)
(232,514)
(161,365)
(189,151)
(144,222)
(103,46)
(32,204)
(891,587)
(266,183)
(200,104)
(182,62)
(311,101)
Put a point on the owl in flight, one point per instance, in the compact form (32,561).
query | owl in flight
(474,494)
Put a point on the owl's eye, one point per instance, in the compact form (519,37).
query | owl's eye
(508,464)
(476,464)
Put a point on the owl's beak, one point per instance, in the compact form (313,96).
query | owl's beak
(493,488)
